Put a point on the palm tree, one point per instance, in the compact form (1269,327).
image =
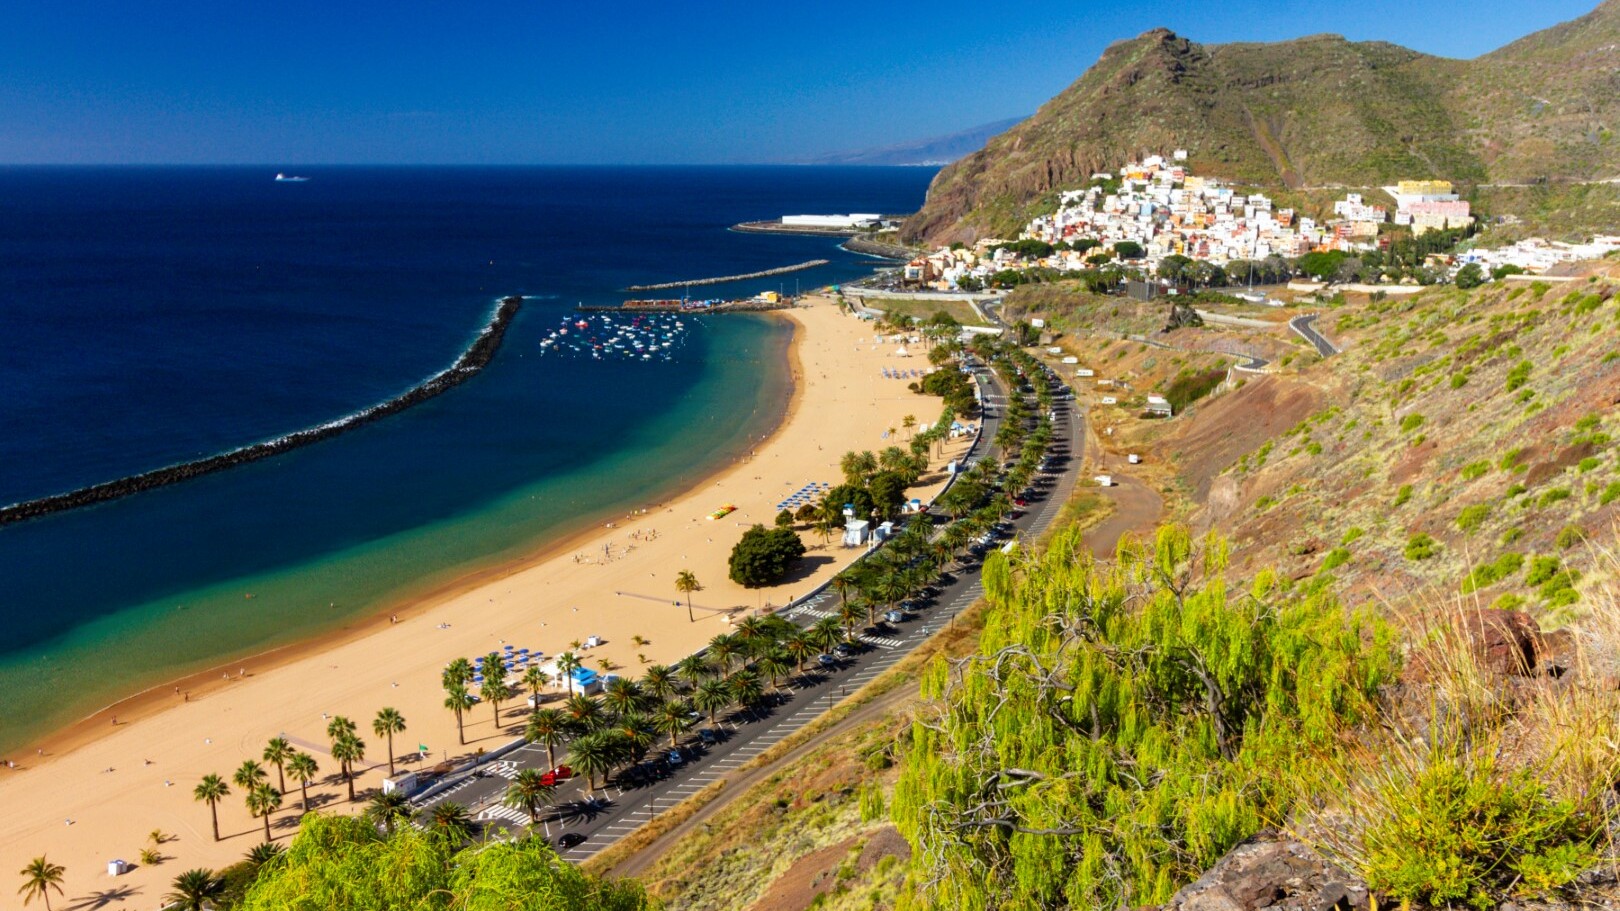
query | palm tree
(528,792)
(495,688)
(750,634)
(723,648)
(193,888)
(348,750)
(277,752)
(39,878)
(388,723)
(249,775)
(622,696)
(673,718)
(848,616)
(264,852)
(211,790)
(827,632)
(694,669)
(658,681)
(584,713)
(450,819)
(686,583)
(547,727)
(890,588)
(910,423)
(801,648)
(459,701)
(457,673)
(712,695)
(744,688)
(389,808)
(340,725)
(264,800)
(303,769)
(775,664)
(567,664)
(534,678)
(843,583)
(593,755)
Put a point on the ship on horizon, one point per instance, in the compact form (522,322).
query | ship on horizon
(290,178)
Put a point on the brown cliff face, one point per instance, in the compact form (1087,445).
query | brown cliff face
(1316,111)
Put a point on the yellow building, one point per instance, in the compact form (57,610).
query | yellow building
(1424,187)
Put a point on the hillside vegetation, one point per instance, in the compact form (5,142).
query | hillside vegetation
(1316,111)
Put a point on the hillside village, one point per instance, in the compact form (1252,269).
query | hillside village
(1158,208)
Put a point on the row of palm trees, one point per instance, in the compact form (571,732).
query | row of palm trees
(263,799)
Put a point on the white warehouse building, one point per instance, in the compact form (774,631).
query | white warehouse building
(856,220)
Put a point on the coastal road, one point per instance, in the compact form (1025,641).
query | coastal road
(631,801)
(1302,326)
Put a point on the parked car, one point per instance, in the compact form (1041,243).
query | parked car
(895,616)
(675,758)
(570,840)
(709,736)
(826,660)
(844,650)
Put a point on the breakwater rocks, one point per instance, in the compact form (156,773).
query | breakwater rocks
(766,273)
(475,358)
(876,248)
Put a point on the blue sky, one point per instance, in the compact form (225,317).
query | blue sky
(416,81)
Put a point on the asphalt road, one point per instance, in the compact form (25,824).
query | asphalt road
(624,805)
(1302,326)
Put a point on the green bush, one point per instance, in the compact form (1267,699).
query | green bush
(1421,547)
(1335,558)
(1403,495)
(1589,463)
(1353,535)
(1610,494)
(1510,459)
(763,556)
(1569,536)
(1473,471)
(1555,495)
(1519,375)
(1466,833)
(1493,572)
(1472,517)
(1542,569)
(1411,422)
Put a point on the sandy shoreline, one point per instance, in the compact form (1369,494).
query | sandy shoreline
(612,582)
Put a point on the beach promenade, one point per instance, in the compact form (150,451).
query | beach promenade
(100,789)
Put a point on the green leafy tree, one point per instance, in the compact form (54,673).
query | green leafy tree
(1470,276)
(339,862)
(1121,727)
(39,878)
(211,790)
(763,556)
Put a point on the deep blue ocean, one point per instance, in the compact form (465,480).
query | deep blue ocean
(155,315)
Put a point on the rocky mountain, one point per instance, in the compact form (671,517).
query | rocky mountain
(935,151)
(1313,112)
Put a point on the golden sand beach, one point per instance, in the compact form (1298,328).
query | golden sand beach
(100,788)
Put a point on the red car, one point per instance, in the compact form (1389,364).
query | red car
(556,776)
(1019,501)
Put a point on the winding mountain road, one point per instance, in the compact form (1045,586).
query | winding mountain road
(1303,328)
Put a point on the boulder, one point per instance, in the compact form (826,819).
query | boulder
(1505,642)
(1282,875)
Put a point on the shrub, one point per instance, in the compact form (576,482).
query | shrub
(1263,504)
(1610,494)
(1552,496)
(1541,570)
(1472,517)
(1421,547)
(1411,422)
(1403,495)
(1510,459)
(1589,463)
(1354,534)
(1335,558)
(1569,536)
(1519,375)
(1473,471)
(1493,572)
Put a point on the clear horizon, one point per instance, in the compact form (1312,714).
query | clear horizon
(424,83)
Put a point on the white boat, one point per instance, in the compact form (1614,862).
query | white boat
(290,178)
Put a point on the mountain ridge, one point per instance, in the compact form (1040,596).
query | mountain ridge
(1313,111)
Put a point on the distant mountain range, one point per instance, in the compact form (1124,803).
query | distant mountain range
(1314,112)
(940,150)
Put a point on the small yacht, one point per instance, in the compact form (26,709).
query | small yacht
(290,178)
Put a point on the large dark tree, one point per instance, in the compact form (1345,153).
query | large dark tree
(764,555)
